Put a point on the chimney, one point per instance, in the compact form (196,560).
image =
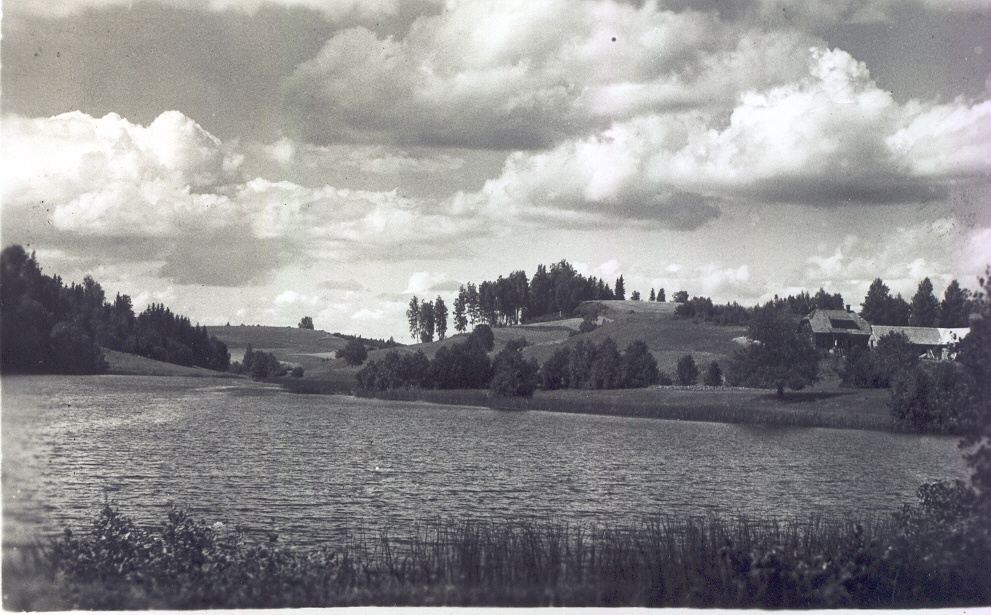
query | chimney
(848,308)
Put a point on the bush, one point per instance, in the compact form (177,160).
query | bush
(664,379)
(861,369)
(353,353)
(688,372)
(714,375)
(587,325)
(296,372)
(555,372)
(932,399)
(483,336)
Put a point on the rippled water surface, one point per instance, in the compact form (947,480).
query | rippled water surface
(312,467)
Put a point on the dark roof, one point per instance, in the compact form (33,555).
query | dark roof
(837,321)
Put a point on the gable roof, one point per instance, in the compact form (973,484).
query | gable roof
(837,321)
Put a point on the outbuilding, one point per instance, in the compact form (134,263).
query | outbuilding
(836,330)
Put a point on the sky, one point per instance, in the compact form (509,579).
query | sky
(257,161)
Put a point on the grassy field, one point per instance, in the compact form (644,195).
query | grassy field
(134,365)
(307,347)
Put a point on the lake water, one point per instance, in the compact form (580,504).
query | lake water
(314,467)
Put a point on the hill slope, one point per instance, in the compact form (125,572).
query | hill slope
(306,347)
(136,365)
(668,337)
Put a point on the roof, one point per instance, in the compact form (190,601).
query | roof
(837,321)
(951,336)
(919,336)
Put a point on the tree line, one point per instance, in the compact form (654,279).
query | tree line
(48,327)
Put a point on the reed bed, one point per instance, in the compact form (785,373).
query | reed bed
(697,563)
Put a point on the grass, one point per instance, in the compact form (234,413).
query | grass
(185,564)
(838,409)
(122,363)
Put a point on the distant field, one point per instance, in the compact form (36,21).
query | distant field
(306,347)
(134,365)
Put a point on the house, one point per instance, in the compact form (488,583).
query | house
(931,342)
(836,330)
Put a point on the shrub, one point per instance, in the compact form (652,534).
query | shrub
(664,379)
(296,372)
(353,353)
(688,372)
(861,369)
(588,325)
(932,399)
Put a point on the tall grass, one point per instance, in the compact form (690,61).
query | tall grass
(700,563)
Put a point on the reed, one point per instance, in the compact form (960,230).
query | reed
(658,562)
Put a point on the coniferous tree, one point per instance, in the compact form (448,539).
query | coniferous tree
(925,307)
(955,309)
(875,306)
(660,295)
(620,289)
(653,297)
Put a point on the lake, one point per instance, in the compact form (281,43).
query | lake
(316,467)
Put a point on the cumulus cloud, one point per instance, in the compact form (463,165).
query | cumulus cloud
(940,249)
(829,138)
(520,75)
(170,192)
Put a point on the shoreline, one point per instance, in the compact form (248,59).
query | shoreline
(863,409)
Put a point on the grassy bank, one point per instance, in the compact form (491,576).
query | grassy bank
(839,409)
(705,563)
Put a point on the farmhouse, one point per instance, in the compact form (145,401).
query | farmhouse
(836,329)
(931,342)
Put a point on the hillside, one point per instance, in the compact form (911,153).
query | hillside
(307,347)
(134,365)
(668,337)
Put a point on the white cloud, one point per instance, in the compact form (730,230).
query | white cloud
(173,193)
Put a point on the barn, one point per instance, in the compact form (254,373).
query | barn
(931,342)
(836,330)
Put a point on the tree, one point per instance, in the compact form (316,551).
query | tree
(713,375)
(954,310)
(635,296)
(688,371)
(652,297)
(660,295)
(620,289)
(875,306)
(460,312)
(554,373)
(440,318)
(825,301)
(482,336)
(606,366)
(413,317)
(925,307)
(680,297)
(353,353)
(639,367)
(305,323)
(778,356)
(427,322)
(513,376)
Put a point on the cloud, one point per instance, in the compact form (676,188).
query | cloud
(525,75)
(333,9)
(940,249)
(172,193)
(830,138)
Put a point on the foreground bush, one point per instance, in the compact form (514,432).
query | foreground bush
(932,555)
